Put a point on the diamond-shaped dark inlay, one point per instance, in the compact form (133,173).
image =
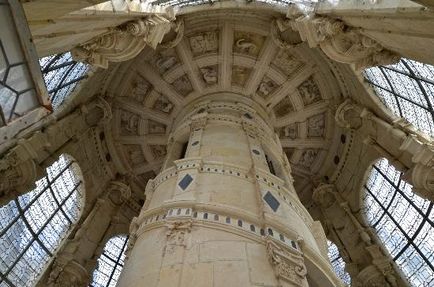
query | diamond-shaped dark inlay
(185,181)
(272,201)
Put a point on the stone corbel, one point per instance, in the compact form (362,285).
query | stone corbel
(279,26)
(124,42)
(342,43)
(288,265)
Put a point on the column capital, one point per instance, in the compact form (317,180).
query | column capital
(118,191)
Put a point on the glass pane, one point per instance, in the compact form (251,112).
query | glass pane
(403,221)
(61,75)
(33,225)
(338,263)
(110,262)
(407,89)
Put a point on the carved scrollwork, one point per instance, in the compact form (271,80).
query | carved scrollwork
(176,234)
(124,42)
(178,28)
(288,266)
(343,43)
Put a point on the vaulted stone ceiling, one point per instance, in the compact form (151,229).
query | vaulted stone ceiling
(227,51)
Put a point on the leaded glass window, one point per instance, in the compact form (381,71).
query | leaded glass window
(407,88)
(33,225)
(110,263)
(338,263)
(184,3)
(403,221)
(61,75)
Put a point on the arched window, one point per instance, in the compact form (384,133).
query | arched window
(338,263)
(61,74)
(407,88)
(33,225)
(404,222)
(110,263)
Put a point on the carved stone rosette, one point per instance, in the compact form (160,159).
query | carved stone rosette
(288,266)
(124,42)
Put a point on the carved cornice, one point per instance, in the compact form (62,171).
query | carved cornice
(342,43)
(126,41)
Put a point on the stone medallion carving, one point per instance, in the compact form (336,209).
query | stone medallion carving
(156,128)
(163,105)
(165,60)
(316,126)
(307,158)
(209,74)
(134,154)
(203,43)
(309,92)
(286,62)
(284,107)
(141,89)
(247,43)
(159,151)
(240,75)
(129,123)
(290,131)
(183,85)
(266,87)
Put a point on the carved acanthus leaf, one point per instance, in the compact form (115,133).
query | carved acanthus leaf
(288,266)
(342,43)
(124,42)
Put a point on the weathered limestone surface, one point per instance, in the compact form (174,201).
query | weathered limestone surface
(218,217)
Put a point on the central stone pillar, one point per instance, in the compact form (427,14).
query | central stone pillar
(223,212)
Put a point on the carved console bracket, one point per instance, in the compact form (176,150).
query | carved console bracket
(288,265)
(127,41)
(340,42)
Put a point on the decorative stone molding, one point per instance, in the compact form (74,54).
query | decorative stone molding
(383,263)
(118,192)
(348,115)
(324,195)
(371,277)
(176,234)
(288,265)
(178,28)
(68,274)
(124,42)
(342,43)
(279,26)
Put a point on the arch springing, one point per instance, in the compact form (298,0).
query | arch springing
(110,263)
(338,263)
(61,75)
(404,222)
(407,88)
(33,225)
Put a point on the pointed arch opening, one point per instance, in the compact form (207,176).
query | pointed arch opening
(34,225)
(404,222)
(110,262)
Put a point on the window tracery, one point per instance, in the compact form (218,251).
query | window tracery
(33,225)
(61,75)
(404,222)
(110,263)
(407,88)
(338,263)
